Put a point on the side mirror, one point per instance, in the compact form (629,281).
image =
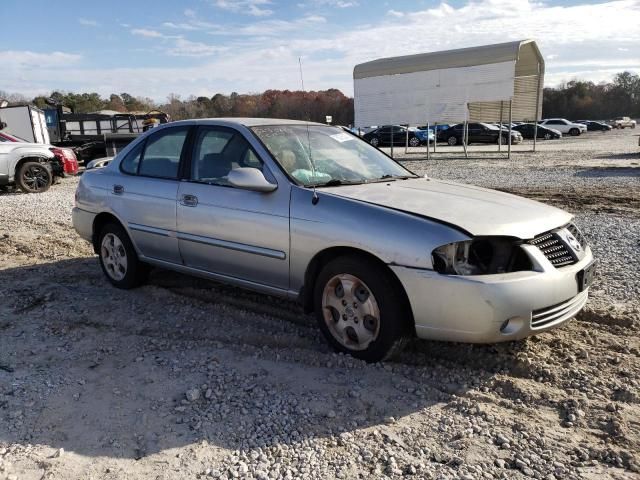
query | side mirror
(250,179)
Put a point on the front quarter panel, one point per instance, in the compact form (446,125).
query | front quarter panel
(395,237)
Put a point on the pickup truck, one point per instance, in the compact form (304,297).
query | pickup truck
(623,122)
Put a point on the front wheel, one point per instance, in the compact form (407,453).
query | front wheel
(574,131)
(360,310)
(34,177)
(375,142)
(118,258)
(414,142)
(548,136)
(452,141)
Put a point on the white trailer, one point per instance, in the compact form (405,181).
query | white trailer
(25,121)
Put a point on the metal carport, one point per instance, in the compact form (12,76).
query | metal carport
(477,84)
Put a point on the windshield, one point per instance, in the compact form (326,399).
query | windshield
(319,155)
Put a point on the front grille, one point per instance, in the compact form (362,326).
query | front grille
(548,316)
(552,246)
(573,230)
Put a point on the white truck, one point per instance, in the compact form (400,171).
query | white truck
(623,122)
(564,126)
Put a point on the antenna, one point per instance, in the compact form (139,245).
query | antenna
(314,198)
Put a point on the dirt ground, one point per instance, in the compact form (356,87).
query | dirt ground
(184,378)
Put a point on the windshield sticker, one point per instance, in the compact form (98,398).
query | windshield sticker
(342,137)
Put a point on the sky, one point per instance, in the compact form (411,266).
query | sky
(202,47)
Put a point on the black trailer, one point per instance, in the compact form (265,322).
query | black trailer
(96,135)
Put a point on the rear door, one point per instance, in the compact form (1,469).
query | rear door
(229,231)
(399,135)
(145,195)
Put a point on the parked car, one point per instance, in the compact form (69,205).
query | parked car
(528,130)
(564,126)
(436,128)
(478,133)
(67,162)
(28,165)
(595,126)
(381,137)
(623,122)
(309,212)
(425,135)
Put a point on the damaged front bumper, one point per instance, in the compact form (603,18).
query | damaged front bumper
(494,308)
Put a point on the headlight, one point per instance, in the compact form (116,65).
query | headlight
(480,256)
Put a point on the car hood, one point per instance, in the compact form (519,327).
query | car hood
(478,211)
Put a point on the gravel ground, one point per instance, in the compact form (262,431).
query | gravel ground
(184,378)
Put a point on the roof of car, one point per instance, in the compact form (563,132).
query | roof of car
(253,122)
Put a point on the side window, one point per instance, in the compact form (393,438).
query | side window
(218,151)
(131,162)
(162,154)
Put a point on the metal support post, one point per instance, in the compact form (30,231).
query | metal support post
(406,141)
(428,146)
(435,136)
(535,124)
(510,116)
(465,137)
(500,133)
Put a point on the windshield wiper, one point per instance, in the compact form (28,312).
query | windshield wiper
(396,177)
(335,182)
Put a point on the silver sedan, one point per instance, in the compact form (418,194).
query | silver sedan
(313,213)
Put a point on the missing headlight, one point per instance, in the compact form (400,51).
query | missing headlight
(480,256)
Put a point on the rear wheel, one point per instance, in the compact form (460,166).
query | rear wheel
(414,142)
(360,310)
(118,258)
(34,177)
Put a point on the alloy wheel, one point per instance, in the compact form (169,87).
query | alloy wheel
(114,256)
(36,178)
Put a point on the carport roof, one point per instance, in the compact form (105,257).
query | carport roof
(524,52)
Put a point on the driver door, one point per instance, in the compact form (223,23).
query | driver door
(227,230)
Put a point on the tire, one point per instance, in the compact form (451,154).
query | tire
(548,136)
(374,141)
(633,125)
(118,258)
(370,293)
(414,142)
(452,140)
(34,177)
(574,132)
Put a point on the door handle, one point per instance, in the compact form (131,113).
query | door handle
(118,189)
(189,200)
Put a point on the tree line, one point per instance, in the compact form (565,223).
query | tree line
(575,99)
(296,105)
(578,99)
